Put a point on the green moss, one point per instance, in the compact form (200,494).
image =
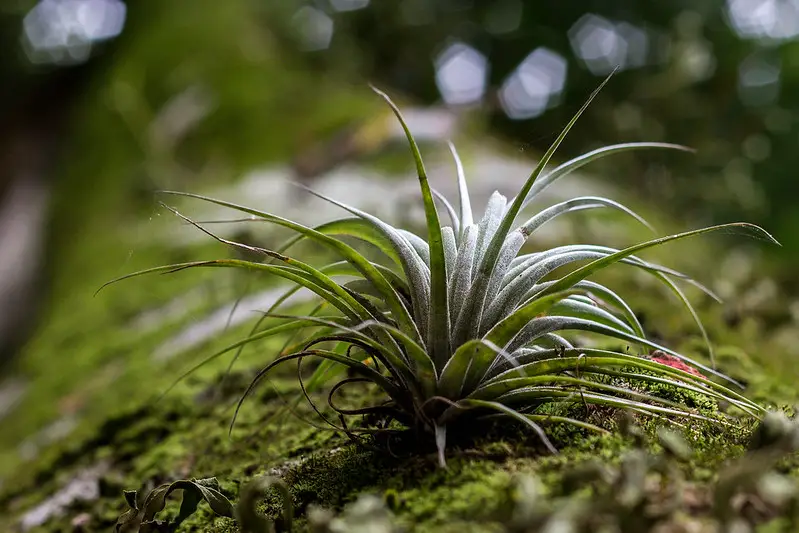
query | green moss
(183,438)
(185,435)
(94,360)
(469,490)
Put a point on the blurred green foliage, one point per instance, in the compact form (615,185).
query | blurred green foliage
(192,92)
(702,85)
(260,95)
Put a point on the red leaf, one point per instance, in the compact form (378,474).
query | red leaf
(669,360)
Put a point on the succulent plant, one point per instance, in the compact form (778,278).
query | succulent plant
(462,324)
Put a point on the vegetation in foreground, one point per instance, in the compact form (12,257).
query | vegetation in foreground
(460,326)
(182,438)
(645,491)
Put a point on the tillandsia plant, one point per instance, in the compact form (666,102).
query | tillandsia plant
(462,325)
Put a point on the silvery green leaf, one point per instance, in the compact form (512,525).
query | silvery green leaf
(550,324)
(462,275)
(464,203)
(453,216)
(510,249)
(488,226)
(485,286)
(574,164)
(438,311)
(450,251)
(575,204)
(347,252)
(415,268)
(573,307)
(611,298)
(419,245)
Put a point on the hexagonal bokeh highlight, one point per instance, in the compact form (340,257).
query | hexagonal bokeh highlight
(764,19)
(599,43)
(535,84)
(64,31)
(461,73)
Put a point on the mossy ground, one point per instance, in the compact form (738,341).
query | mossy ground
(186,435)
(94,367)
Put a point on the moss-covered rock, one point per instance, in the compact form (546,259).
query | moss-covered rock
(94,371)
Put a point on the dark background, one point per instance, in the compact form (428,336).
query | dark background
(85,83)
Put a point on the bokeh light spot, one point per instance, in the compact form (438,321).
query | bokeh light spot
(637,41)
(63,31)
(461,74)
(598,43)
(315,28)
(759,79)
(757,147)
(535,84)
(764,19)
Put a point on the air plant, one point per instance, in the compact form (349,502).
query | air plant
(462,325)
